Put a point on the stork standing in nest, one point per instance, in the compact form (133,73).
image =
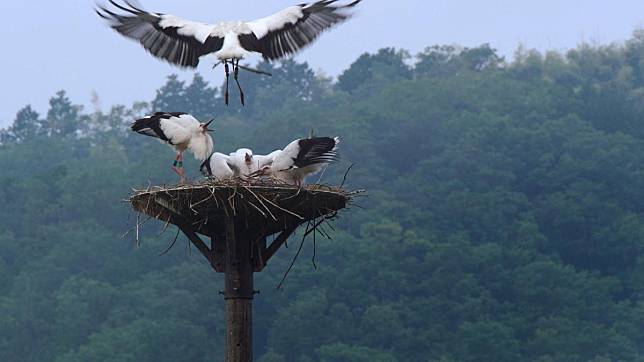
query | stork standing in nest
(183,42)
(182,132)
(300,158)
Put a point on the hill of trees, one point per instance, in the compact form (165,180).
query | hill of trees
(504,221)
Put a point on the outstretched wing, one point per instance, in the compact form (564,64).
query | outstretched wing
(293,28)
(178,41)
(316,150)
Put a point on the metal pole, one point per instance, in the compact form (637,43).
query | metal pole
(238,292)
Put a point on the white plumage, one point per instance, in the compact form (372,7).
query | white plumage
(240,163)
(179,130)
(217,166)
(301,158)
(183,42)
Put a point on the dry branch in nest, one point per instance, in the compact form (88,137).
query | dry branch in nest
(264,204)
(258,208)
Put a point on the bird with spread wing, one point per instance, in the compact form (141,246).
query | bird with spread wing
(182,42)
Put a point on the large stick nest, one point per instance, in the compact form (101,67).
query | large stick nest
(264,206)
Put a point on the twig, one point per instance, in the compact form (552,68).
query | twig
(345,175)
(313,257)
(295,257)
(165,226)
(260,201)
(283,209)
(171,244)
(328,223)
(258,209)
(317,184)
(323,232)
(137,239)
(232,203)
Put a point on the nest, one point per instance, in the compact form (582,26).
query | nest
(264,206)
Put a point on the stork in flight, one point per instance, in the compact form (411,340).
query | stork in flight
(181,131)
(183,42)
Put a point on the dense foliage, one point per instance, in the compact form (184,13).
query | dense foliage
(505,220)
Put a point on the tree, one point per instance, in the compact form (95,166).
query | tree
(171,97)
(375,70)
(63,118)
(447,60)
(202,99)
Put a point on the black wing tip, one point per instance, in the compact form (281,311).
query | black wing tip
(204,168)
(320,150)
(108,14)
(98,10)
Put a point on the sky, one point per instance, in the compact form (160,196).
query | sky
(53,45)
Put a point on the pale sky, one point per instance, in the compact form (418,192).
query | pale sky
(50,45)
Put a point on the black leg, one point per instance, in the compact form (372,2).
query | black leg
(227,70)
(236,75)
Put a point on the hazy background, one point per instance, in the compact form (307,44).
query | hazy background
(53,45)
(503,220)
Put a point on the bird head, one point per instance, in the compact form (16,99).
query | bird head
(204,126)
(248,158)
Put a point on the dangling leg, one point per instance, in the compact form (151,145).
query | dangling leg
(236,76)
(227,70)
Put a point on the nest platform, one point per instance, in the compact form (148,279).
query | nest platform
(238,216)
(268,208)
(245,212)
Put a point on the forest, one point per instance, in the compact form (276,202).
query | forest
(504,219)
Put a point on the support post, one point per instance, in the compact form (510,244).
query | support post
(238,292)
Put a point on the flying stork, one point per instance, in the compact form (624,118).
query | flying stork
(183,42)
(301,158)
(181,131)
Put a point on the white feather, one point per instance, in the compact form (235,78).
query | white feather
(219,166)
(185,132)
(231,49)
(194,29)
(201,145)
(260,161)
(284,160)
(239,164)
(263,26)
